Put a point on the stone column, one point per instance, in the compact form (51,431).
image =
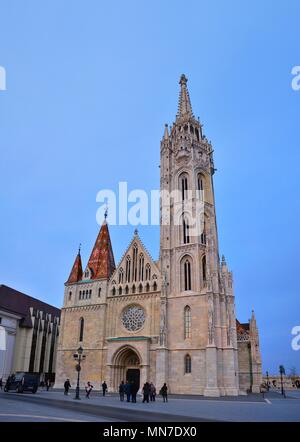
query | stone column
(211,372)
(161,367)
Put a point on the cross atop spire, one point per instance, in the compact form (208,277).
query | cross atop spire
(184,106)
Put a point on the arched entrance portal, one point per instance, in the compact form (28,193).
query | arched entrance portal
(126,367)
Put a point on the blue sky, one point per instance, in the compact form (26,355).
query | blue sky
(89,88)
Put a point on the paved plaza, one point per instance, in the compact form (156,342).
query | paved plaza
(55,406)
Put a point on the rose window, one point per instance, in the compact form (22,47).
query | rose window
(133,318)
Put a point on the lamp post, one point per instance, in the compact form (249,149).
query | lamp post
(282,372)
(79,356)
(268,385)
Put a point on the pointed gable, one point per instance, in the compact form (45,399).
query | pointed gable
(136,270)
(76,272)
(101,262)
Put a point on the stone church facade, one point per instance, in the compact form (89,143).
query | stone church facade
(171,320)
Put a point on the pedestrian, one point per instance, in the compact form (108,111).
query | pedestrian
(146,392)
(67,386)
(128,387)
(152,392)
(134,390)
(104,388)
(48,384)
(164,392)
(122,391)
(42,385)
(88,389)
(1,383)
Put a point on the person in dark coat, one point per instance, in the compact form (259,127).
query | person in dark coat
(134,390)
(128,390)
(1,383)
(152,392)
(146,392)
(67,386)
(104,388)
(48,384)
(122,391)
(164,392)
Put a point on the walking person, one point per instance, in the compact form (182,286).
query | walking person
(146,392)
(134,390)
(67,386)
(122,391)
(128,387)
(152,392)
(48,384)
(88,389)
(164,392)
(1,383)
(104,388)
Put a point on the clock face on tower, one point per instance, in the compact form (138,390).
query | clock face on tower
(133,318)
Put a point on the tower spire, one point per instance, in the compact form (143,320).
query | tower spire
(184,106)
(101,262)
(76,272)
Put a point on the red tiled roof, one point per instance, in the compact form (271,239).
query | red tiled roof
(76,272)
(101,262)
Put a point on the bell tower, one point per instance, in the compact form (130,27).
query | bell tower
(198,327)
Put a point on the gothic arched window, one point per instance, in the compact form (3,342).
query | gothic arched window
(121,276)
(183,185)
(186,230)
(120,290)
(204,272)
(148,272)
(81,329)
(200,186)
(113,291)
(154,286)
(187,322)
(187,275)
(70,296)
(187,364)
(141,268)
(134,266)
(140,288)
(127,270)
(127,290)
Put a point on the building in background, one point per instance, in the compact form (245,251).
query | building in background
(29,330)
(171,320)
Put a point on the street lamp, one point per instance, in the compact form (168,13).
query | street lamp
(268,385)
(79,356)
(282,372)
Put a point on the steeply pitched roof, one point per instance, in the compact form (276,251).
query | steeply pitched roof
(76,272)
(102,262)
(15,302)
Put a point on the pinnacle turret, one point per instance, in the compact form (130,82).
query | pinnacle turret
(184,106)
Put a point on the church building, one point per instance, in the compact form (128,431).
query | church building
(171,320)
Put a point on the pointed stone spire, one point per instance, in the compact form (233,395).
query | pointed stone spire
(101,262)
(224,264)
(76,272)
(166,133)
(253,320)
(184,106)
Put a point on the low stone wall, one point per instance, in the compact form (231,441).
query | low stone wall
(289,383)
